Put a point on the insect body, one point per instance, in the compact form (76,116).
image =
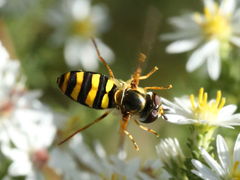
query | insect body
(99,91)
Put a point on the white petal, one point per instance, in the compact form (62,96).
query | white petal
(179,35)
(197,58)
(212,163)
(201,54)
(236,154)
(99,16)
(70,169)
(227,111)
(236,16)
(184,104)
(105,51)
(100,151)
(235,40)
(203,171)
(89,159)
(20,169)
(4,56)
(227,7)
(179,119)
(14,154)
(210,5)
(21,164)
(204,176)
(186,23)
(35,175)
(80,9)
(132,168)
(18,138)
(182,45)
(81,51)
(39,129)
(223,153)
(214,64)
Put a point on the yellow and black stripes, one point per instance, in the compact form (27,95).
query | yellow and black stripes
(88,88)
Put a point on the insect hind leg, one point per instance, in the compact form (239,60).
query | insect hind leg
(85,127)
(102,59)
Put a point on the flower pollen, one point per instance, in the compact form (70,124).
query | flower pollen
(83,28)
(215,24)
(204,110)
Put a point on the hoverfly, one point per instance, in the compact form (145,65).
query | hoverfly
(99,91)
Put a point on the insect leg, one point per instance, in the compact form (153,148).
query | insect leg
(123,127)
(162,113)
(138,71)
(149,74)
(102,59)
(158,87)
(146,128)
(85,127)
(131,138)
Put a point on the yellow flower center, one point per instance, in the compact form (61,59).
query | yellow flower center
(204,110)
(215,24)
(235,174)
(84,27)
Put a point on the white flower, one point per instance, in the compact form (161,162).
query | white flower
(201,111)
(29,140)
(209,35)
(77,161)
(227,166)
(170,152)
(76,22)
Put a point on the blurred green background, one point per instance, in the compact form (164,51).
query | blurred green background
(28,37)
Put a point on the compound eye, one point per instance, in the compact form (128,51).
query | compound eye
(133,101)
(151,110)
(157,101)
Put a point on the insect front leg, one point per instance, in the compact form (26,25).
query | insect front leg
(158,87)
(146,128)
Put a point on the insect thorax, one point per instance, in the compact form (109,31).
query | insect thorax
(145,105)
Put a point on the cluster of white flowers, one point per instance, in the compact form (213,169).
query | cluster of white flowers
(27,127)
(28,130)
(76,21)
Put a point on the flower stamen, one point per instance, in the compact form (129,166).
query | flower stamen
(235,173)
(204,110)
(192,100)
(220,106)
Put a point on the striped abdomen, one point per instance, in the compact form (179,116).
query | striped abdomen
(88,88)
